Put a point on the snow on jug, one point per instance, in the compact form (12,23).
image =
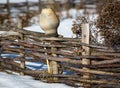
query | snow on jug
(49,22)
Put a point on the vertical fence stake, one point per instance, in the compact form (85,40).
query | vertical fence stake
(53,64)
(86,50)
(47,61)
(22,64)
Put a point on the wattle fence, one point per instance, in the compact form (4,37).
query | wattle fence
(90,66)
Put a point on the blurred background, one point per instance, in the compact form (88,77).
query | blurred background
(29,10)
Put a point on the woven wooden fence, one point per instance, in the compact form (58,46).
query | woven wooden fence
(91,66)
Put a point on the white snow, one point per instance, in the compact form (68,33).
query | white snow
(64,28)
(15,81)
(35,28)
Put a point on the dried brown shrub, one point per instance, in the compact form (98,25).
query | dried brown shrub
(76,27)
(109,23)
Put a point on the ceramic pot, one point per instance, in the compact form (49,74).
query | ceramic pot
(49,22)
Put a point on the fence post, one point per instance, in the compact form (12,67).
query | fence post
(47,61)
(53,64)
(86,50)
(22,64)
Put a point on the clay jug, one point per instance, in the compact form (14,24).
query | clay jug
(49,22)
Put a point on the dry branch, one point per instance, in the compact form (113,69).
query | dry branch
(94,71)
(100,82)
(106,54)
(116,60)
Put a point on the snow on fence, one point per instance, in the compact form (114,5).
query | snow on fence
(90,65)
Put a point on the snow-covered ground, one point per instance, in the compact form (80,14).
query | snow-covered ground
(15,81)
